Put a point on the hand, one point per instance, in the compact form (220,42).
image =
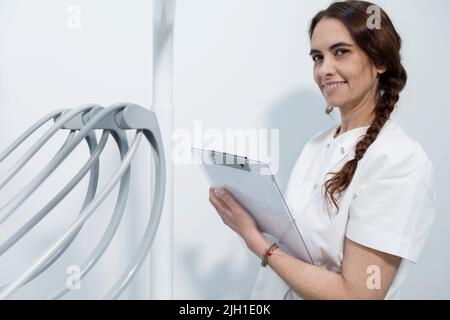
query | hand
(233,214)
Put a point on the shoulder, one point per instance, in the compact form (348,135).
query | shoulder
(313,144)
(395,150)
(309,150)
(320,137)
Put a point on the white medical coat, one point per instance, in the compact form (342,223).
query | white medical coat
(389,205)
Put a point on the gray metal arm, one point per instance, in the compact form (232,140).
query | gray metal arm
(29,132)
(121,140)
(92,165)
(132,117)
(87,212)
(107,237)
(12,205)
(137,117)
(93,182)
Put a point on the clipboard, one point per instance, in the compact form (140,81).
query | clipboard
(254,186)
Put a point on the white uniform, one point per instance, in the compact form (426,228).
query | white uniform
(389,205)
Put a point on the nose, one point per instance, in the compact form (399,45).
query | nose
(326,68)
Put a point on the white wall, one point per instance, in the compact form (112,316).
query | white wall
(238,64)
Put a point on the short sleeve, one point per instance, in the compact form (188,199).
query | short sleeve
(394,211)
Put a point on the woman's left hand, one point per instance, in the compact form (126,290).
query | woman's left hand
(233,214)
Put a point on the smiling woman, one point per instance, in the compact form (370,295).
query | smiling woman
(350,69)
(368,223)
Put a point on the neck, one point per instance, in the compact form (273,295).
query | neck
(355,118)
(360,115)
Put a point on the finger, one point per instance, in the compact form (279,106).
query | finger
(220,206)
(230,201)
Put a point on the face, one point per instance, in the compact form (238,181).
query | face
(342,70)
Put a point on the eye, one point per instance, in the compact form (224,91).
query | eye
(341,52)
(316,57)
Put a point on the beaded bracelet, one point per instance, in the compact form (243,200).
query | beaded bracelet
(265,257)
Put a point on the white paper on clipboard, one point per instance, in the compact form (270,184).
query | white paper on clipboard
(253,185)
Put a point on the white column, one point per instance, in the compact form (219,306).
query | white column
(161,254)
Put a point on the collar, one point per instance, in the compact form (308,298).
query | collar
(333,152)
(344,143)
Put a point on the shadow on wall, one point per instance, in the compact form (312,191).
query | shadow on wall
(226,280)
(298,115)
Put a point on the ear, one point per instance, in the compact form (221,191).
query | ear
(381,70)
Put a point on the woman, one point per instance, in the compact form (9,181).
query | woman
(361,193)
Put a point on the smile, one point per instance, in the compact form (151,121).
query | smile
(333,85)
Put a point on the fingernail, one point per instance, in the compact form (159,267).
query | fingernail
(219,192)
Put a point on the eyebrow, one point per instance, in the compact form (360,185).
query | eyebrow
(334,46)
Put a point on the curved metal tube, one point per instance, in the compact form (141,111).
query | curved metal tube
(62,120)
(97,253)
(155,141)
(30,188)
(11,288)
(107,237)
(13,146)
(93,182)
(93,165)
(152,225)
(60,245)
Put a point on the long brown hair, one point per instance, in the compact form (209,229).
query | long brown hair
(382,46)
